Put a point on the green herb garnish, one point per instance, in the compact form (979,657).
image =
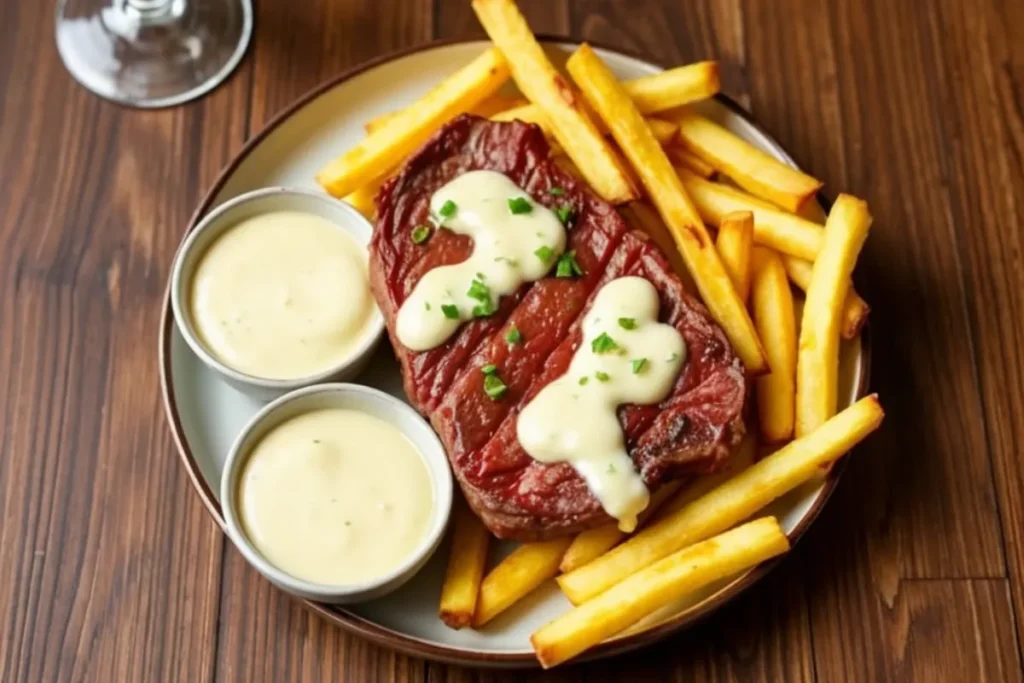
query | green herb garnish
(544,253)
(556,191)
(510,261)
(482,293)
(448,209)
(567,265)
(450,311)
(489,369)
(584,380)
(611,469)
(603,344)
(426,305)
(494,387)
(518,205)
(602,376)
(639,365)
(420,234)
(672,358)
(513,336)
(565,215)
(627,323)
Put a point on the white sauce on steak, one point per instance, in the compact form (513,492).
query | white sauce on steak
(515,240)
(626,356)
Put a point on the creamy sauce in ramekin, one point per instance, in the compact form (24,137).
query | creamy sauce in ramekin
(335,497)
(283,295)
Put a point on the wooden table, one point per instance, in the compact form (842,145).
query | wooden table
(110,568)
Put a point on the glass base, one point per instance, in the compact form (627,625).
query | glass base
(152,53)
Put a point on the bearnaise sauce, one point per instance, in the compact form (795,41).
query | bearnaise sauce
(626,356)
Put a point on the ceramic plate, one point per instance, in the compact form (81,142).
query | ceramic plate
(206,414)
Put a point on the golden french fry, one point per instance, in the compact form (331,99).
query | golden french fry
(690,161)
(515,577)
(466,561)
(385,148)
(488,108)
(772,303)
(664,187)
(757,172)
(817,365)
(537,79)
(674,87)
(362,198)
(662,130)
(773,227)
(651,94)
(730,503)
(674,576)
(593,543)
(740,459)
(855,309)
(734,243)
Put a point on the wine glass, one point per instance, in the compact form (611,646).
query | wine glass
(152,53)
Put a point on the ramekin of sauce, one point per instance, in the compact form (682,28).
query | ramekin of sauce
(271,290)
(337,493)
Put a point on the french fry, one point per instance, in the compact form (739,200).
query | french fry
(674,576)
(362,198)
(773,227)
(515,577)
(465,570)
(663,185)
(757,172)
(488,108)
(674,87)
(855,309)
(593,543)
(734,243)
(817,365)
(772,304)
(651,94)
(384,149)
(662,130)
(728,504)
(537,79)
(690,161)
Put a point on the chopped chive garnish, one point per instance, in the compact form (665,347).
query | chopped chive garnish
(479,291)
(494,387)
(448,209)
(481,277)
(611,469)
(639,365)
(420,234)
(544,253)
(506,259)
(557,191)
(489,369)
(567,265)
(627,323)
(672,358)
(426,305)
(603,344)
(564,214)
(513,336)
(484,309)
(519,205)
(602,376)
(584,380)
(450,311)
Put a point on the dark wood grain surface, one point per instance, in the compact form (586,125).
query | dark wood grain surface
(110,568)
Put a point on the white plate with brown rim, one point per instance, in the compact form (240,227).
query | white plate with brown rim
(206,414)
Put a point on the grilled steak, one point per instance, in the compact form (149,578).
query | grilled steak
(692,431)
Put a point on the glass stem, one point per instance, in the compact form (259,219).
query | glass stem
(149,12)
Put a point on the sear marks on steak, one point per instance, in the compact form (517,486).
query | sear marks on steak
(692,431)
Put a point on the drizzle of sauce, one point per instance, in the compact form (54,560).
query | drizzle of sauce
(515,240)
(626,356)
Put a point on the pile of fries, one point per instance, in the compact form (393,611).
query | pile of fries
(677,176)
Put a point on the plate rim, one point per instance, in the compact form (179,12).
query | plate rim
(361,626)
